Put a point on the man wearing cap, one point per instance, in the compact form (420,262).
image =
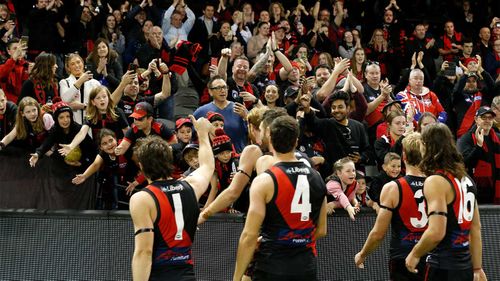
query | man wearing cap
(234,113)
(480,147)
(143,126)
(472,91)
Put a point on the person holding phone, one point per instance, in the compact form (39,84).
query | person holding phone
(76,88)
(15,70)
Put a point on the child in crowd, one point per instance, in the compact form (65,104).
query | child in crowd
(226,165)
(101,113)
(8,111)
(184,133)
(111,170)
(216,119)
(190,156)
(361,191)
(391,170)
(32,125)
(63,131)
(342,185)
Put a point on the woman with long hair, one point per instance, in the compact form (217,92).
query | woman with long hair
(76,88)
(31,125)
(358,63)
(379,50)
(111,32)
(101,113)
(257,42)
(105,64)
(277,12)
(348,45)
(42,84)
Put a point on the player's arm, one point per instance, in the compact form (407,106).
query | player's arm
(140,209)
(259,190)
(476,246)
(200,178)
(321,228)
(264,163)
(247,163)
(389,198)
(435,193)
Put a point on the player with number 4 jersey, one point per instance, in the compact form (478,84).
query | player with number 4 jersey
(453,234)
(289,202)
(402,206)
(166,212)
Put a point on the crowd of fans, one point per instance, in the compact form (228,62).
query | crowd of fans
(84,81)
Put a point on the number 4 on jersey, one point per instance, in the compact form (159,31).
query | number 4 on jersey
(301,202)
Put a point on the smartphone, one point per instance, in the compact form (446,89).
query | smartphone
(12,17)
(451,70)
(133,67)
(497,24)
(214,61)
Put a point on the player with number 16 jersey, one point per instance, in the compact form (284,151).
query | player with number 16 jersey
(288,245)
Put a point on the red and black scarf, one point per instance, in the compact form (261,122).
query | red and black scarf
(487,171)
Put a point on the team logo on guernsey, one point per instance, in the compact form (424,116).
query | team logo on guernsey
(297,170)
(295,237)
(461,240)
(174,187)
(178,255)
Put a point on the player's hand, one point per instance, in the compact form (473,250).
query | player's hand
(202,125)
(479,275)
(78,179)
(359,260)
(330,208)
(411,263)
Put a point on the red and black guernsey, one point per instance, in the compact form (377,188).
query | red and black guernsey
(409,219)
(288,246)
(453,253)
(174,227)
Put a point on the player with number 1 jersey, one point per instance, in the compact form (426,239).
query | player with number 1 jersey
(288,245)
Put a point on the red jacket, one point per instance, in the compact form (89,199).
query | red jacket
(12,75)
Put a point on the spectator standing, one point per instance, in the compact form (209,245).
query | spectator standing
(8,111)
(42,84)
(480,147)
(450,43)
(105,64)
(173,28)
(14,71)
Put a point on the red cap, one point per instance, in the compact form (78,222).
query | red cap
(214,116)
(468,60)
(142,109)
(183,121)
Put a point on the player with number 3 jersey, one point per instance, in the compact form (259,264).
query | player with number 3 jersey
(453,234)
(402,206)
(166,212)
(289,202)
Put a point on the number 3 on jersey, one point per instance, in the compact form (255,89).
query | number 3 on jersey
(301,202)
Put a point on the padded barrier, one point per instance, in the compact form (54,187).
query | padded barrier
(98,245)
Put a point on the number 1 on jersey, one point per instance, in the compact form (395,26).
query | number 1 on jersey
(301,202)
(179,217)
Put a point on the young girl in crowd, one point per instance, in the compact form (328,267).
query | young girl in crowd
(342,185)
(111,170)
(391,170)
(101,113)
(31,126)
(63,131)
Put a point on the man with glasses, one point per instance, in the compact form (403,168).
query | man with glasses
(234,113)
(480,147)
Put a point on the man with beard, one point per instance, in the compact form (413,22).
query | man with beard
(468,97)
(419,42)
(480,147)
(343,137)
(326,82)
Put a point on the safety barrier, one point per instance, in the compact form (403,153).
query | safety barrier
(98,245)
